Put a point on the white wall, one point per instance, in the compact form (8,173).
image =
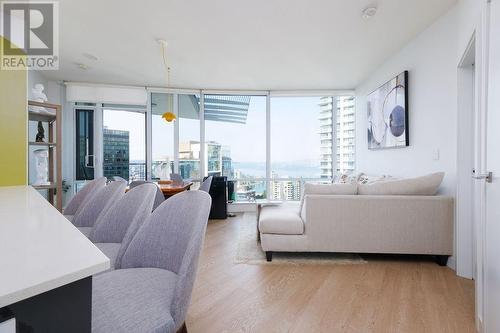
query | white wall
(35,77)
(469,12)
(431,61)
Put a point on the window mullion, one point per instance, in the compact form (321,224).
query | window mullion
(268,146)
(203,171)
(176,132)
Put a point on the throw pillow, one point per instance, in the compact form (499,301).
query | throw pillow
(371,179)
(425,185)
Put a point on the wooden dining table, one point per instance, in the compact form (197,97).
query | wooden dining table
(170,188)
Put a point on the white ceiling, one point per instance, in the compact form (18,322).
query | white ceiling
(236,44)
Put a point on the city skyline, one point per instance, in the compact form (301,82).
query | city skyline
(308,155)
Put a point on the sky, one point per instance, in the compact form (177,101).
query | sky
(294,131)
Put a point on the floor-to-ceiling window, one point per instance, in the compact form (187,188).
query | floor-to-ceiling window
(124,143)
(235,142)
(309,139)
(298,145)
(189,136)
(303,132)
(162,133)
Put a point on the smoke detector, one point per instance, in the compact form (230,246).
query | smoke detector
(82,66)
(369,12)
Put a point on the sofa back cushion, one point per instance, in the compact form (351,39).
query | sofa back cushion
(327,189)
(425,185)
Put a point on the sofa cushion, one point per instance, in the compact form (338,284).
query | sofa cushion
(425,185)
(327,189)
(283,219)
(133,300)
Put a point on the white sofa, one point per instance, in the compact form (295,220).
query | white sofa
(399,224)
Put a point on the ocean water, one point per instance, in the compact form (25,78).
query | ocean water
(282,170)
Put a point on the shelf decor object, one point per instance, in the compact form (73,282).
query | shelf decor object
(48,157)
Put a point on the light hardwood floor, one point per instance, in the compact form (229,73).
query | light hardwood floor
(384,295)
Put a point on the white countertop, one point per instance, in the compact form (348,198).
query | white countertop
(40,249)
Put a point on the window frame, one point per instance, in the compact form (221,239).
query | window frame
(268,94)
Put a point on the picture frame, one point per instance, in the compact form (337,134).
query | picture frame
(388,119)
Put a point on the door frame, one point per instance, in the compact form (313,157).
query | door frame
(466,147)
(480,126)
(471,215)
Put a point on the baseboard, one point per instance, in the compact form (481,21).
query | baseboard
(242,207)
(452,263)
(479,327)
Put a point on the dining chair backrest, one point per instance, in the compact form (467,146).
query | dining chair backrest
(176,178)
(207,183)
(82,196)
(159,198)
(135,183)
(122,220)
(118,178)
(99,203)
(171,238)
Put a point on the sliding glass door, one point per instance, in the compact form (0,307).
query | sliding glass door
(84,153)
(189,136)
(162,133)
(124,143)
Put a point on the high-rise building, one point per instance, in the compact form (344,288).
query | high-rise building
(189,160)
(326,134)
(227,162)
(285,189)
(345,119)
(292,190)
(116,153)
(219,162)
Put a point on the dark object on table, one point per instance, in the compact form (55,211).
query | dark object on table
(218,192)
(41,133)
(230,191)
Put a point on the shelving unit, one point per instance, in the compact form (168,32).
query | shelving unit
(53,146)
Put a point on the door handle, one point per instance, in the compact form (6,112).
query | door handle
(488,176)
(87,161)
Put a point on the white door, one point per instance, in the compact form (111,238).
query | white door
(492,223)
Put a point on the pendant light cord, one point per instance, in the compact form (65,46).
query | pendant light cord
(164,56)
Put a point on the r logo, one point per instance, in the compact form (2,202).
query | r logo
(30,28)
(30,31)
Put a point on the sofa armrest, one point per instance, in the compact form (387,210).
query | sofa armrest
(384,224)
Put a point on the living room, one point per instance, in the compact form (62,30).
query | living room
(322,166)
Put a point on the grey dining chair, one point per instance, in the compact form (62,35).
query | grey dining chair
(82,196)
(152,289)
(205,186)
(176,178)
(99,203)
(114,230)
(159,198)
(137,183)
(118,178)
